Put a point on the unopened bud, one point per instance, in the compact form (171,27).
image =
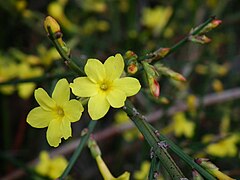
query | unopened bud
(132,68)
(213,24)
(154,87)
(212,169)
(196,175)
(168,72)
(161,52)
(202,39)
(52,23)
(130,54)
(92,145)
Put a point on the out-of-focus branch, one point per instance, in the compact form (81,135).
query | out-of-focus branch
(211,99)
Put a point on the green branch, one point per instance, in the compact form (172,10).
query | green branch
(160,151)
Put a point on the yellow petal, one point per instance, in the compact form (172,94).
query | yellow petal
(95,70)
(54,134)
(66,128)
(98,106)
(61,93)
(116,98)
(114,66)
(83,87)
(39,118)
(73,110)
(129,85)
(44,100)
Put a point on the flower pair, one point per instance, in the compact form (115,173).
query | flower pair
(103,86)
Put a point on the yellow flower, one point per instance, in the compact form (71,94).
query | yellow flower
(228,147)
(143,172)
(182,126)
(56,113)
(51,167)
(104,86)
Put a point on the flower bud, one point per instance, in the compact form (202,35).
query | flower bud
(92,145)
(213,24)
(168,72)
(202,39)
(52,23)
(132,68)
(154,87)
(152,79)
(212,169)
(161,52)
(130,54)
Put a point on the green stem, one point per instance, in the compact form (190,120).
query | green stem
(79,149)
(69,62)
(160,151)
(184,156)
(151,57)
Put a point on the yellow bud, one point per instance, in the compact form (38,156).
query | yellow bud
(52,23)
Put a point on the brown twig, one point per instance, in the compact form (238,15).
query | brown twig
(114,130)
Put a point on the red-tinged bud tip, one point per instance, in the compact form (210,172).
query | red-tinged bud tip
(155,88)
(216,22)
(201,160)
(130,54)
(132,69)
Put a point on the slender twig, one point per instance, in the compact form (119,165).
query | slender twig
(152,57)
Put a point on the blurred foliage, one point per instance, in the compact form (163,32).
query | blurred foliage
(99,28)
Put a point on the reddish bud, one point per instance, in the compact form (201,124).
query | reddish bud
(202,39)
(216,22)
(162,52)
(132,68)
(154,87)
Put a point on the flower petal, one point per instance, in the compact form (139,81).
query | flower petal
(66,128)
(129,85)
(98,106)
(116,98)
(114,66)
(83,87)
(54,133)
(39,118)
(73,110)
(95,70)
(44,100)
(61,93)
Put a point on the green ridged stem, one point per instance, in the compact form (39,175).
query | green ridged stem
(190,161)
(161,152)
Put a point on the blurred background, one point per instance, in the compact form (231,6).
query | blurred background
(200,115)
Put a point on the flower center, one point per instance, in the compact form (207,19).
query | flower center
(60,112)
(104,86)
